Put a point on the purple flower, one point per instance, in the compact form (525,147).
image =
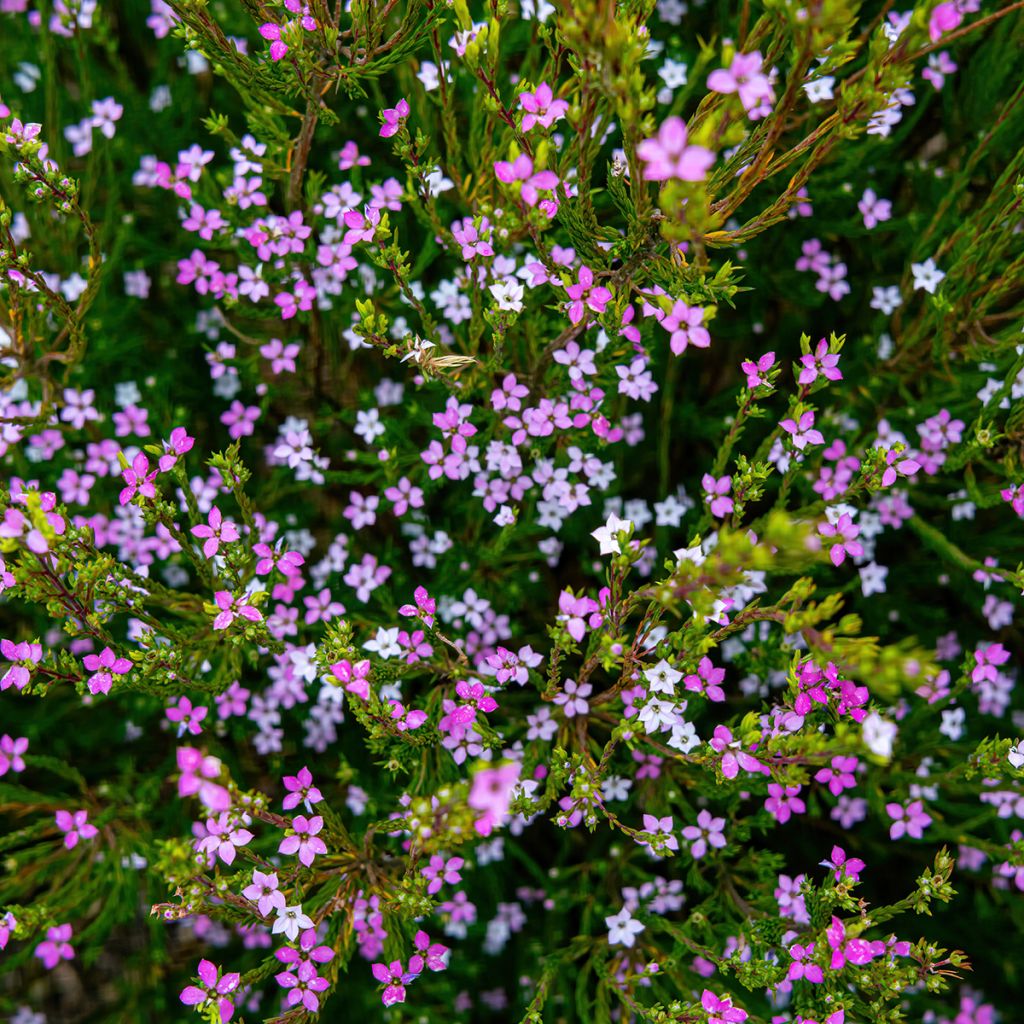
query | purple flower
(212,989)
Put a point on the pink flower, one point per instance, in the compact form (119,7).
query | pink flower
(716,494)
(720,1009)
(541,107)
(802,432)
(585,295)
(425,607)
(944,18)
(301,790)
(272,33)
(264,892)
(668,157)
(845,531)
(223,836)
(138,480)
(212,990)
(801,967)
(745,77)
(393,117)
(911,820)
(819,361)
(232,607)
(684,324)
(355,678)
(11,751)
(707,681)
(708,831)
(573,698)
(104,666)
(75,827)
(188,718)
(783,802)
(852,951)
(178,444)
(841,864)
(56,946)
(491,794)
(305,840)
(757,372)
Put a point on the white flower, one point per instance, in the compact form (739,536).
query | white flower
(607,535)
(505,516)
(622,928)
(953,723)
(1016,755)
(879,734)
(508,295)
(429,75)
(657,715)
(385,644)
(291,920)
(694,554)
(820,89)
(872,578)
(926,276)
(684,737)
(663,678)
(885,300)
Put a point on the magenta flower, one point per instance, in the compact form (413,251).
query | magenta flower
(820,361)
(189,718)
(104,667)
(212,990)
(272,33)
(852,951)
(304,985)
(355,678)
(986,660)
(911,820)
(197,772)
(716,494)
(430,954)
(232,607)
(440,872)
(393,117)
(23,657)
(585,295)
(301,790)
(56,946)
(845,533)
(178,444)
(802,967)
(75,827)
(723,743)
(720,1009)
(394,978)
(425,606)
(897,466)
(707,681)
(138,480)
(218,531)
(668,157)
(304,840)
(841,864)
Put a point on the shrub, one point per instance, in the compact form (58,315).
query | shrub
(511,513)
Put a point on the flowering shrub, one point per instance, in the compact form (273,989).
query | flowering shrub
(511,512)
